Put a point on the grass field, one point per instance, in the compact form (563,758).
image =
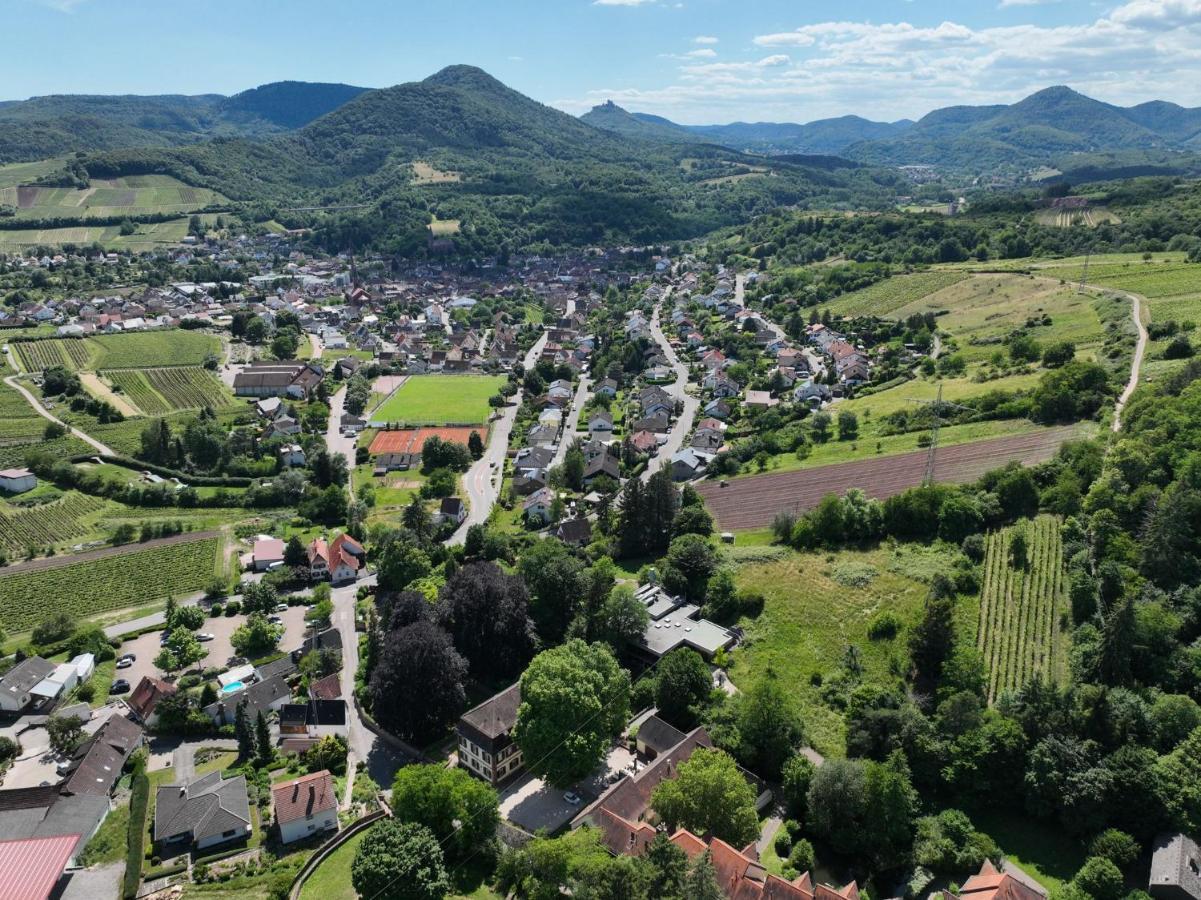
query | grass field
(443,227)
(331,880)
(424,173)
(146,236)
(159,391)
(1021,631)
(440,400)
(21,430)
(817,605)
(153,349)
(882,298)
(99,585)
(107,197)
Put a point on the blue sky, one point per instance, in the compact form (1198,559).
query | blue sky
(697,61)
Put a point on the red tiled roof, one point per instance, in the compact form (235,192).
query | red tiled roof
(989,884)
(30,868)
(148,693)
(304,796)
(327,688)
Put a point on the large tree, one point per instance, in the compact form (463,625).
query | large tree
(556,584)
(417,682)
(574,698)
(399,861)
(709,795)
(682,685)
(486,613)
(864,808)
(769,726)
(460,810)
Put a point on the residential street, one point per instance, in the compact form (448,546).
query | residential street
(678,389)
(334,439)
(573,419)
(482,481)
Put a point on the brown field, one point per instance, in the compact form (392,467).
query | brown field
(753,502)
(424,173)
(409,440)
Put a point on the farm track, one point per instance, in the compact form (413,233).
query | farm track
(754,501)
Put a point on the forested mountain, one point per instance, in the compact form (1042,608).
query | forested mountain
(612,117)
(56,124)
(1043,129)
(515,173)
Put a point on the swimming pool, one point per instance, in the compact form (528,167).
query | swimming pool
(232,687)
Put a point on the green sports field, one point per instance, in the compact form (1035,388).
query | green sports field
(440,400)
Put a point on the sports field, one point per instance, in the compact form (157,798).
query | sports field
(410,440)
(440,400)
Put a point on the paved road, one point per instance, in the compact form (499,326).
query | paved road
(482,481)
(1136,364)
(573,420)
(683,424)
(33,401)
(334,439)
(816,364)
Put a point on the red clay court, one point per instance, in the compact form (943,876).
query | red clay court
(410,440)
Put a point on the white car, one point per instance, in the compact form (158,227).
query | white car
(205,636)
(124,662)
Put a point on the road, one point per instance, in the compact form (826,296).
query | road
(816,364)
(33,401)
(335,441)
(317,345)
(573,420)
(1140,349)
(482,481)
(683,424)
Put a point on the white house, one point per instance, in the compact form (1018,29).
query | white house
(17,481)
(537,505)
(292,455)
(305,806)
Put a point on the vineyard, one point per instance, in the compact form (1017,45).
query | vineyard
(47,525)
(891,294)
(153,349)
(1021,604)
(72,353)
(159,391)
(21,430)
(133,577)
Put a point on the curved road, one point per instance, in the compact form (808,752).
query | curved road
(1140,349)
(678,389)
(33,401)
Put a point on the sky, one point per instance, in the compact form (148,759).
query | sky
(695,61)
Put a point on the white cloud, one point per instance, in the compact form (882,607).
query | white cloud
(702,53)
(704,39)
(1140,50)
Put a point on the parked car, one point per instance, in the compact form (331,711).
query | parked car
(275,620)
(166,636)
(204,636)
(281,607)
(572,798)
(120,686)
(124,663)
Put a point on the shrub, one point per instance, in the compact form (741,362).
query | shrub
(884,626)
(233,608)
(783,843)
(1100,878)
(1116,846)
(801,858)
(138,803)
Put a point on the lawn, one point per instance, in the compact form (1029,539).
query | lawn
(440,400)
(1042,851)
(331,879)
(108,844)
(816,606)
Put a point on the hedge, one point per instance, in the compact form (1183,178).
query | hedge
(138,804)
(195,480)
(217,857)
(164,871)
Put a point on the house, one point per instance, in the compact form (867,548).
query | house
(812,394)
(656,736)
(291,456)
(278,379)
(453,509)
(537,506)
(96,765)
(16,687)
(645,441)
(740,874)
(606,387)
(207,811)
(17,481)
(659,423)
(603,466)
(600,421)
(686,464)
(31,868)
(759,400)
(318,553)
(346,558)
(1175,868)
(261,697)
(718,409)
(327,688)
(576,532)
(305,806)
(486,746)
(991,884)
(268,552)
(315,719)
(145,698)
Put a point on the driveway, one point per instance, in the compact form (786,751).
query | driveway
(36,764)
(90,884)
(531,803)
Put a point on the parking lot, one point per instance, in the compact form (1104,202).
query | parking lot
(532,804)
(220,652)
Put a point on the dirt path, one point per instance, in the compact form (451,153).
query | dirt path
(1140,350)
(33,401)
(102,391)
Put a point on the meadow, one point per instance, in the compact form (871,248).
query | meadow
(884,297)
(1022,602)
(131,350)
(96,585)
(440,400)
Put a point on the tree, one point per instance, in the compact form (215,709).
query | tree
(262,738)
(692,520)
(555,580)
(57,628)
(475,445)
(574,698)
(460,810)
(256,637)
(932,640)
(622,618)
(1059,354)
(701,883)
(709,795)
(399,861)
(1100,879)
(295,555)
(486,613)
(689,563)
(416,685)
(1116,846)
(769,726)
(848,425)
(329,753)
(795,779)
(244,732)
(863,808)
(682,687)
(947,843)
(261,596)
(573,467)
(402,562)
(64,733)
(1178,783)
(187,617)
(181,651)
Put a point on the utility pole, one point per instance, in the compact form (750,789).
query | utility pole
(1084,275)
(936,406)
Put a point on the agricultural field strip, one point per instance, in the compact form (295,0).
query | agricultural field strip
(133,350)
(133,576)
(884,297)
(753,502)
(72,353)
(48,524)
(164,390)
(1019,610)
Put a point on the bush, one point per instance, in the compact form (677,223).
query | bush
(783,843)
(1100,879)
(138,803)
(884,626)
(233,608)
(1116,846)
(801,858)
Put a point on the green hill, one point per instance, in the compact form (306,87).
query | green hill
(611,117)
